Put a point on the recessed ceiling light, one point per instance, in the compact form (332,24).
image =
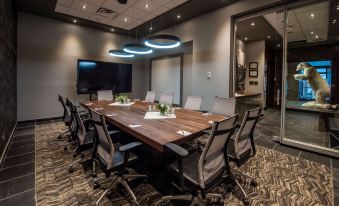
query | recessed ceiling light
(312,15)
(84,6)
(268,37)
(252,24)
(112,30)
(312,32)
(75,21)
(278,45)
(178,16)
(146,6)
(334,20)
(150,28)
(125,19)
(246,38)
(316,36)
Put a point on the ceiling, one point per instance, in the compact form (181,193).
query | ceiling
(160,14)
(111,12)
(309,24)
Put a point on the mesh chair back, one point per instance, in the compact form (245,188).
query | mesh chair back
(212,159)
(244,142)
(150,96)
(73,127)
(105,147)
(105,95)
(166,98)
(81,130)
(224,106)
(67,114)
(193,103)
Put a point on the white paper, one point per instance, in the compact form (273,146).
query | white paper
(183,132)
(111,115)
(211,122)
(135,125)
(89,103)
(207,114)
(98,108)
(122,105)
(156,115)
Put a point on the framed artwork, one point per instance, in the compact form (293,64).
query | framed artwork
(253,73)
(253,65)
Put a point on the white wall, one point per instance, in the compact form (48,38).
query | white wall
(255,52)
(46,63)
(211,35)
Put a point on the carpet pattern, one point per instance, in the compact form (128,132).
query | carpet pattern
(283,179)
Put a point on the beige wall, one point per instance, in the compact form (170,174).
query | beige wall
(48,51)
(211,36)
(255,52)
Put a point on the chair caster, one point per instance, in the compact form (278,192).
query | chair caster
(94,174)
(59,137)
(246,201)
(70,170)
(75,155)
(65,148)
(254,183)
(96,185)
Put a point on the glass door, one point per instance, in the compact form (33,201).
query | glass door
(311,87)
(258,66)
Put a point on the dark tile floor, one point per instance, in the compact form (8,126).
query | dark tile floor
(17,174)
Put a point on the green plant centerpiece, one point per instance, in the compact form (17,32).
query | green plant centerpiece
(122,99)
(163,109)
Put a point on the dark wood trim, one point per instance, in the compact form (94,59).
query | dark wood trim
(181,55)
(39,120)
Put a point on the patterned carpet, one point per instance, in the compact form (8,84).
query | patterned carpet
(283,179)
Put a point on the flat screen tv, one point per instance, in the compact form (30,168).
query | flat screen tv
(96,75)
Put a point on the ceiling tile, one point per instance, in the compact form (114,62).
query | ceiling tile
(93,2)
(78,13)
(61,8)
(135,13)
(65,2)
(100,19)
(78,4)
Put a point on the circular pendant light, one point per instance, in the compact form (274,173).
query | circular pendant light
(137,49)
(120,53)
(162,41)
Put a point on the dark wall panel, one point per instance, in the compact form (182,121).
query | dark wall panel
(7,71)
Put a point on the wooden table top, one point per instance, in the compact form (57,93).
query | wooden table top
(154,132)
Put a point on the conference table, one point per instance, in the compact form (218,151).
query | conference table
(155,133)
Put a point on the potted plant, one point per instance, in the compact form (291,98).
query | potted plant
(122,99)
(163,109)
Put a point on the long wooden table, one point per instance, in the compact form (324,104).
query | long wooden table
(155,132)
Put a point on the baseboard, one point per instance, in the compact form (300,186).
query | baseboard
(7,145)
(39,120)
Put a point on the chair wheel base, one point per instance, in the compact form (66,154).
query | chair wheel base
(96,185)
(65,148)
(254,183)
(59,137)
(70,170)
(94,174)
(246,201)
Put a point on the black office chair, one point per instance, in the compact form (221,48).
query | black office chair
(202,171)
(84,139)
(66,117)
(113,158)
(241,147)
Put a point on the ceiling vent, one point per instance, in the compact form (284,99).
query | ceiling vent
(106,12)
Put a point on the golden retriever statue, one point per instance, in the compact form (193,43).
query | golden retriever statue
(317,83)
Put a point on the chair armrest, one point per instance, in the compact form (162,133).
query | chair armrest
(177,149)
(129,146)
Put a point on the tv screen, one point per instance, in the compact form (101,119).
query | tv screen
(96,75)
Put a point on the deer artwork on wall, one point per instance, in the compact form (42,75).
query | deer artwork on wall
(240,78)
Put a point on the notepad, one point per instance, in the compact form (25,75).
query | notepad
(211,122)
(121,104)
(111,115)
(156,115)
(134,125)
(98,108)
(183,132)
(89,103)
(207,114)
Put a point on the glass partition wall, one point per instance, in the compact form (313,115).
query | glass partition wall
(287,61)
